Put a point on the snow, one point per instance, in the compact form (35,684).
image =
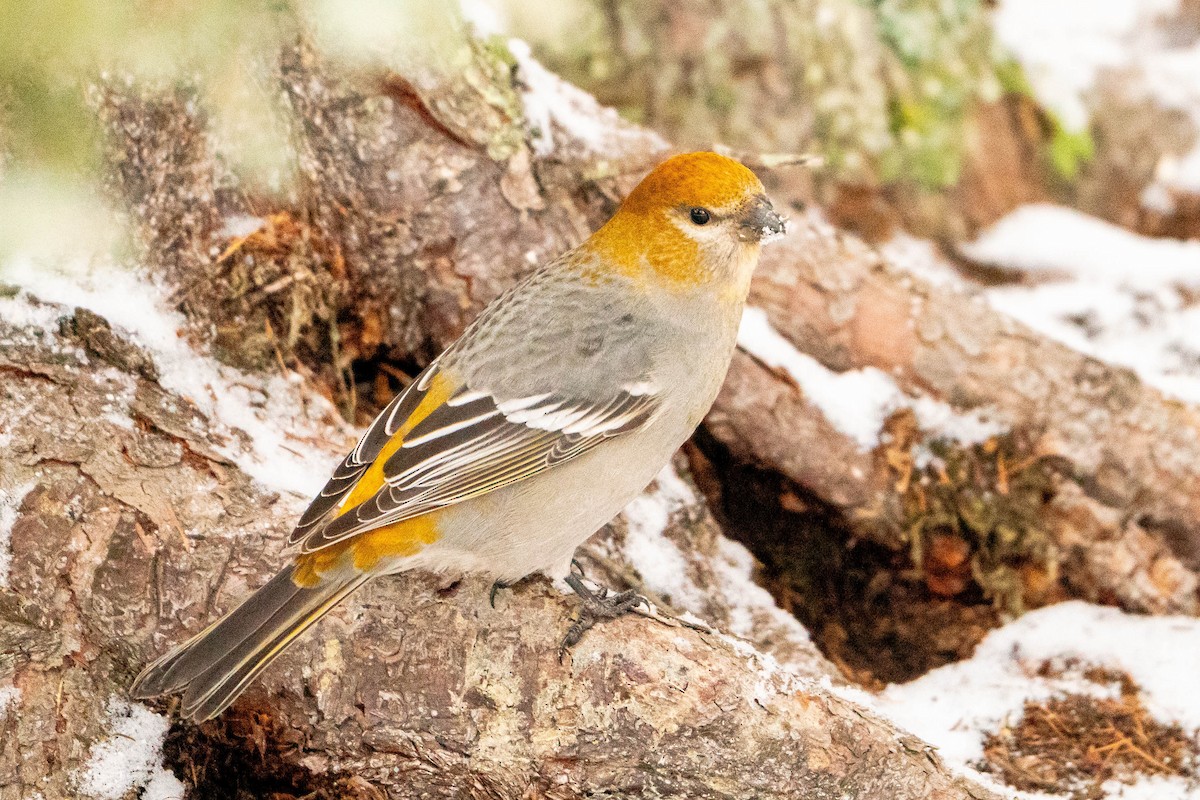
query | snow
(1169,78)
(1179,172)
(921,257)
(857,402)
(664,568)
(488,18)
(956,706)
(658,560)
(277,418)
(748,602)
(239,226)
(9,697)
(552,104)
(1151,787)
(1104,291)
(163,785)
(10,501)
(19,313)
(129,757)
(1045,238)
(1064,45)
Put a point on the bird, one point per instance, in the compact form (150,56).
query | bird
(560,403)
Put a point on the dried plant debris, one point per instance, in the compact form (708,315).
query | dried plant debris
(972,514)
(1073,743)
(251,754)
(868,609)
(283,305)
(976,548)
(281,284)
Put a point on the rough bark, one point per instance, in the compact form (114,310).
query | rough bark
(131,533)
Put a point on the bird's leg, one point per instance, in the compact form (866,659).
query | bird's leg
(596,606)
(497,586)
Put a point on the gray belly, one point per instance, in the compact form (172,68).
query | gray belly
(537,524)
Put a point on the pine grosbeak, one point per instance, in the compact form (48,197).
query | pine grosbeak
(553,410)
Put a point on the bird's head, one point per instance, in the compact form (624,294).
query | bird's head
(696,219)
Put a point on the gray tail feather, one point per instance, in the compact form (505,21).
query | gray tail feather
(213,667)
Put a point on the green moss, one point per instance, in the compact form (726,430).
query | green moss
(497,48)
(496,123)
(988,498)
(939,67)
(1068,151)
(1012,78)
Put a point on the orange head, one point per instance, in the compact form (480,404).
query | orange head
(697,218)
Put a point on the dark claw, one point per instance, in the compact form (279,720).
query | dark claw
(497,586)
(596,606)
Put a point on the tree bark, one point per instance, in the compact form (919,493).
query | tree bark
(1120,461)
(131,533)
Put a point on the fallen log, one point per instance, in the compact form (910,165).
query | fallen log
(132,523)
(1111,466)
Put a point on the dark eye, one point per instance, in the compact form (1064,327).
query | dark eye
(700,216)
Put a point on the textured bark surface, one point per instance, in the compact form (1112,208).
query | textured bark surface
(131,533)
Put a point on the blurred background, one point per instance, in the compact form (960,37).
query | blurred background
(933,121)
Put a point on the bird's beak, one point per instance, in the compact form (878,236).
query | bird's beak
(760,223)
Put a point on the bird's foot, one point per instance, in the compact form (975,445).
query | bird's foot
(496,587)
(596,605)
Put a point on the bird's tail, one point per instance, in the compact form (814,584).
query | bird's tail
(215,666)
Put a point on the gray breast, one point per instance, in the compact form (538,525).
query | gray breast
(558,331)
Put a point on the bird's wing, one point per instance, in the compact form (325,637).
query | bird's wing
(439,443)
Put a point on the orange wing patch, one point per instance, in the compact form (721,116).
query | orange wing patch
(366,550)
(440,389)
(401,539)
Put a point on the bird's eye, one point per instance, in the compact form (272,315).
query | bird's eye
(700,216)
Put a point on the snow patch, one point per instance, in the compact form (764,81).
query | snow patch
(1169,78)
(921,258)
(20,313)
(280,421)
(957,706)
(1180,173)
(129,757)
(664,567)
(658,560)
(858,401)
(734,568)
(9,697)
(239,226)
(551,104)
(1045,238)
(1063,46)
(488,18)
(163,785)
(1109,293)
(1150,787)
